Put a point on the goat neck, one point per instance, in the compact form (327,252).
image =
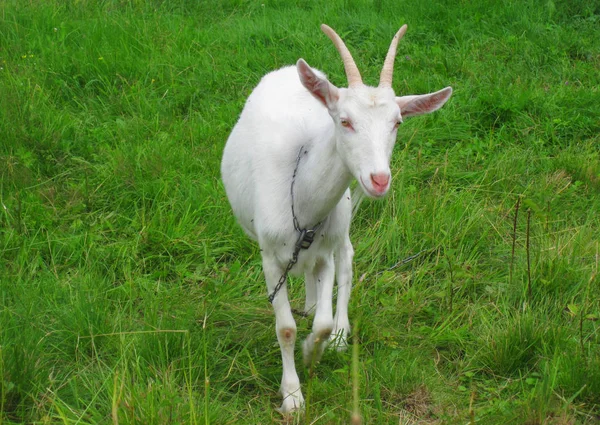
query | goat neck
(321,180)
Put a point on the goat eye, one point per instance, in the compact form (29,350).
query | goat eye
(397,124)
(346,123)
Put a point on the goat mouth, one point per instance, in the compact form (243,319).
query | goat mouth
(369,192)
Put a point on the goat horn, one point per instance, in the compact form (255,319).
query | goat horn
(385,80)
(352,73)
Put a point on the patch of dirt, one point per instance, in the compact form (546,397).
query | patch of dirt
(418,408)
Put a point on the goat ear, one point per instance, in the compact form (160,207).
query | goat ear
(318,86)
(411,106)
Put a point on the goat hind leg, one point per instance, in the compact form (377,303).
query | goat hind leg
(323,276)
(310,286)
(343,266)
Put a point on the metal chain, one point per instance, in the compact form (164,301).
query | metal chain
(305,239)
(283,277)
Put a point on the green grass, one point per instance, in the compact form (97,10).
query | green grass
(130,295)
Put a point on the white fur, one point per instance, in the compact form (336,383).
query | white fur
(292,107)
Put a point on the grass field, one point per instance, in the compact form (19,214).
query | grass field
(130,296)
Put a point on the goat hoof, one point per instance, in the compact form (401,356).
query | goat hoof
(314,346)
(292,403)
(339,339)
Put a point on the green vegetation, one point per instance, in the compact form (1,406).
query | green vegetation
(129,294)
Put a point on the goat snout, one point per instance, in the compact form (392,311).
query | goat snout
(380,182)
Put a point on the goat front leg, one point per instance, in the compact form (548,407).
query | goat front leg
(322,277)
(343,265)
(285,327)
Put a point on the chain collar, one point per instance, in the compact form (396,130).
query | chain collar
(305,239)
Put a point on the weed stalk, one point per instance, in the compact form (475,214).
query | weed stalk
(471,410)
(206,378)
(583,313)
(356,417)
(450,284)
(116,398)
(88,205)
(307,400)
(528,256)
(2,395)
(514,239)
(19,212)
(189,380)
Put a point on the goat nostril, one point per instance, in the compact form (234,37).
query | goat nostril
(380,181)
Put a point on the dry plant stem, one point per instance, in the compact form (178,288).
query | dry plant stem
(528,257)
(116,399)
(88,204)
(2,396)
(471,410)
(356,417)
(514,238)
(450,285)
(19,210)
(189,381)
(581,339)
(307,400)
(206,377)
(583,313)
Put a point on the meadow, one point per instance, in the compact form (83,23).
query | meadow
(129,295)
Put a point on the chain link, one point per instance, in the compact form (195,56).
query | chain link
(283,277)
(305,239)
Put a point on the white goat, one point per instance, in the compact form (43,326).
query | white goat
(287,166)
